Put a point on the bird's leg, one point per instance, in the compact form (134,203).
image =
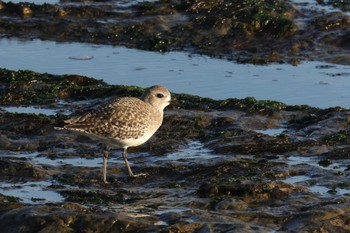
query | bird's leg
(125,156)
(105,157)
(106,152)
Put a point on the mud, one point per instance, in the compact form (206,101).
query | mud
(256,32)
(214,166)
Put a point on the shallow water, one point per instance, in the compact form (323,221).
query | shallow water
(314,83)
(38,192)
(31,192)
(316,185)
(318,189)
(314,161)
(195,150)
(272,131)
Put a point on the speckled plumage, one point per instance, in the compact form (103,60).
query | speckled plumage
(124,122)
(123,118)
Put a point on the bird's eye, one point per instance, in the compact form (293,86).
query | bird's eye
(160,95)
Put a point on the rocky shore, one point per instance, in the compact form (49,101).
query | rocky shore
(214,166)
(234,165)
(257,32)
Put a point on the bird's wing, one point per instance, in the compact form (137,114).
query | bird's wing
(121,118)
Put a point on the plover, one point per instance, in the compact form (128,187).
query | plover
(123,122)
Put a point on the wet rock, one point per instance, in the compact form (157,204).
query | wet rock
(325,162)
(5,143)
(20,169)
(330,217)
(334,33)
(96,197)
(9,202)
(26,124)
(337,153)
(51,218)
(159,26)
(332,21)
(255,191)
(188,227)
(231,204)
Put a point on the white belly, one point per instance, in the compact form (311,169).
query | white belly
(120,143)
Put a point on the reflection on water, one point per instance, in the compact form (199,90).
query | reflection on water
(313,83)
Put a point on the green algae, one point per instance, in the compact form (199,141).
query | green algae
(315,115)
(9,202)
(249,104)
(250,16)
(92,196)
(32,88)
(28,87)
(341,136)
(8,199)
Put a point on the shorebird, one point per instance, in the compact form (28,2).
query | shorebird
(123,122)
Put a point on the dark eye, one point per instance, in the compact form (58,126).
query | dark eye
(160,95)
